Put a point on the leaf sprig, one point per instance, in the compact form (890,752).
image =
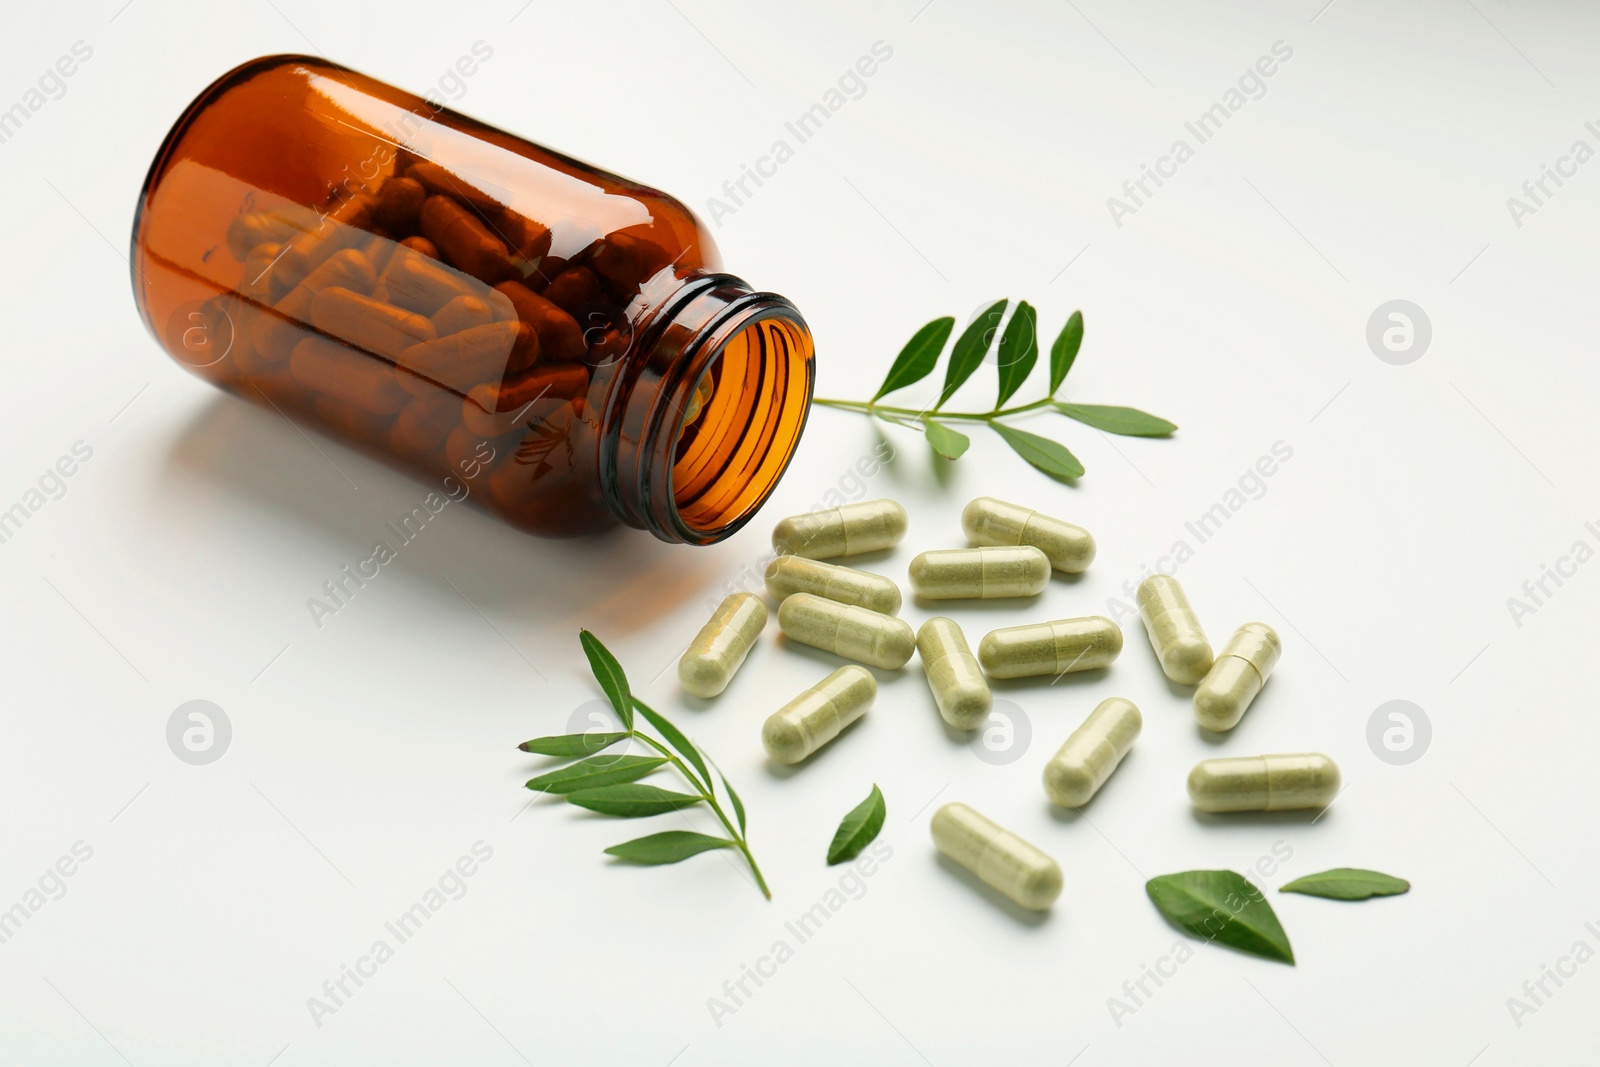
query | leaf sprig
(1017,354)
(610,784)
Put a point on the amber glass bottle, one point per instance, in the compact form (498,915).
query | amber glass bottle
(557,338)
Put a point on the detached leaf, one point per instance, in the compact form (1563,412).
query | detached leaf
(858,828)
(950,444)
(608,672)
(595,771)
(970,349)
(633,801)
(669,846)
(1041,452)
(584,744)
(1348,883)
(1129,422)
(918,358)
(1019,349)
(676,739)
(1065,350)
(1221,906)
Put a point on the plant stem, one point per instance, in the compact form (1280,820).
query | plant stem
(970,416)
(708,795)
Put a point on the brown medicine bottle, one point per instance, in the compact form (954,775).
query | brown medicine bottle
(557,338)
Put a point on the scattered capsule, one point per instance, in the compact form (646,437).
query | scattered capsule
(1175,632)
(959,687)
(1050,647)
(1264,783)
(788,575)
(720,647)
(985,573)
(997,856)
(816,716)
(1081,765)
(987,521)
(1237,676)
(860,634)
(846,531)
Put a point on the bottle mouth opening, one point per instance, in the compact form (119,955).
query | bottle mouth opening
(742,417)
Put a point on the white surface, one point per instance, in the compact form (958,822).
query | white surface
(374,752)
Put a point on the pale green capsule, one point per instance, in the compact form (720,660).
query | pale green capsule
(987,521)
(999,858)
(816,716)
(959,688)
(1081,765)
(1050,647)
(718,650)
(982,573)
(1237,676)
(855,633)
(1174,630)
(1264,783)
(788,575)
(845,531)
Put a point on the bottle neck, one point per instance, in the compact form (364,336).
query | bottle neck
(707,408)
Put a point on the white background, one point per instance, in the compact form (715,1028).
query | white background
(369,754)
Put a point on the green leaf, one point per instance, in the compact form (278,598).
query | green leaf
(676,739)
(584,744)
(594,772)
(858,828)
(1019,349)
(632,801)
(1129,422)
(1043,453)
(1065,350)
(733,798)
(918,358)
(669,846)
(970,349)
(950,444)
(1221,906)
(608,672)
(1348,883)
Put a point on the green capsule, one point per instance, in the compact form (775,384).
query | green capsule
(1050,647)
(845,531)
(959,688)
(860,634)
(718,650)
(987,521)
(982,573)
(999,858)
(1264,783)
(788,575)
(816,716)
(1237,676)
(1174,630)
(1081,766)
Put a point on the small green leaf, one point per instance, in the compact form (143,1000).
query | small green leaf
(1019,349)
(676,739)
(608,672)
(1129,422)
(1043,453)
(584,744)
(918,358)
(632,801)
(970,348)
(733,798)
(1221,906)
(594,772)
(858,828)
(669,846)
(1065,350)
(950,444)
(1348,883)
